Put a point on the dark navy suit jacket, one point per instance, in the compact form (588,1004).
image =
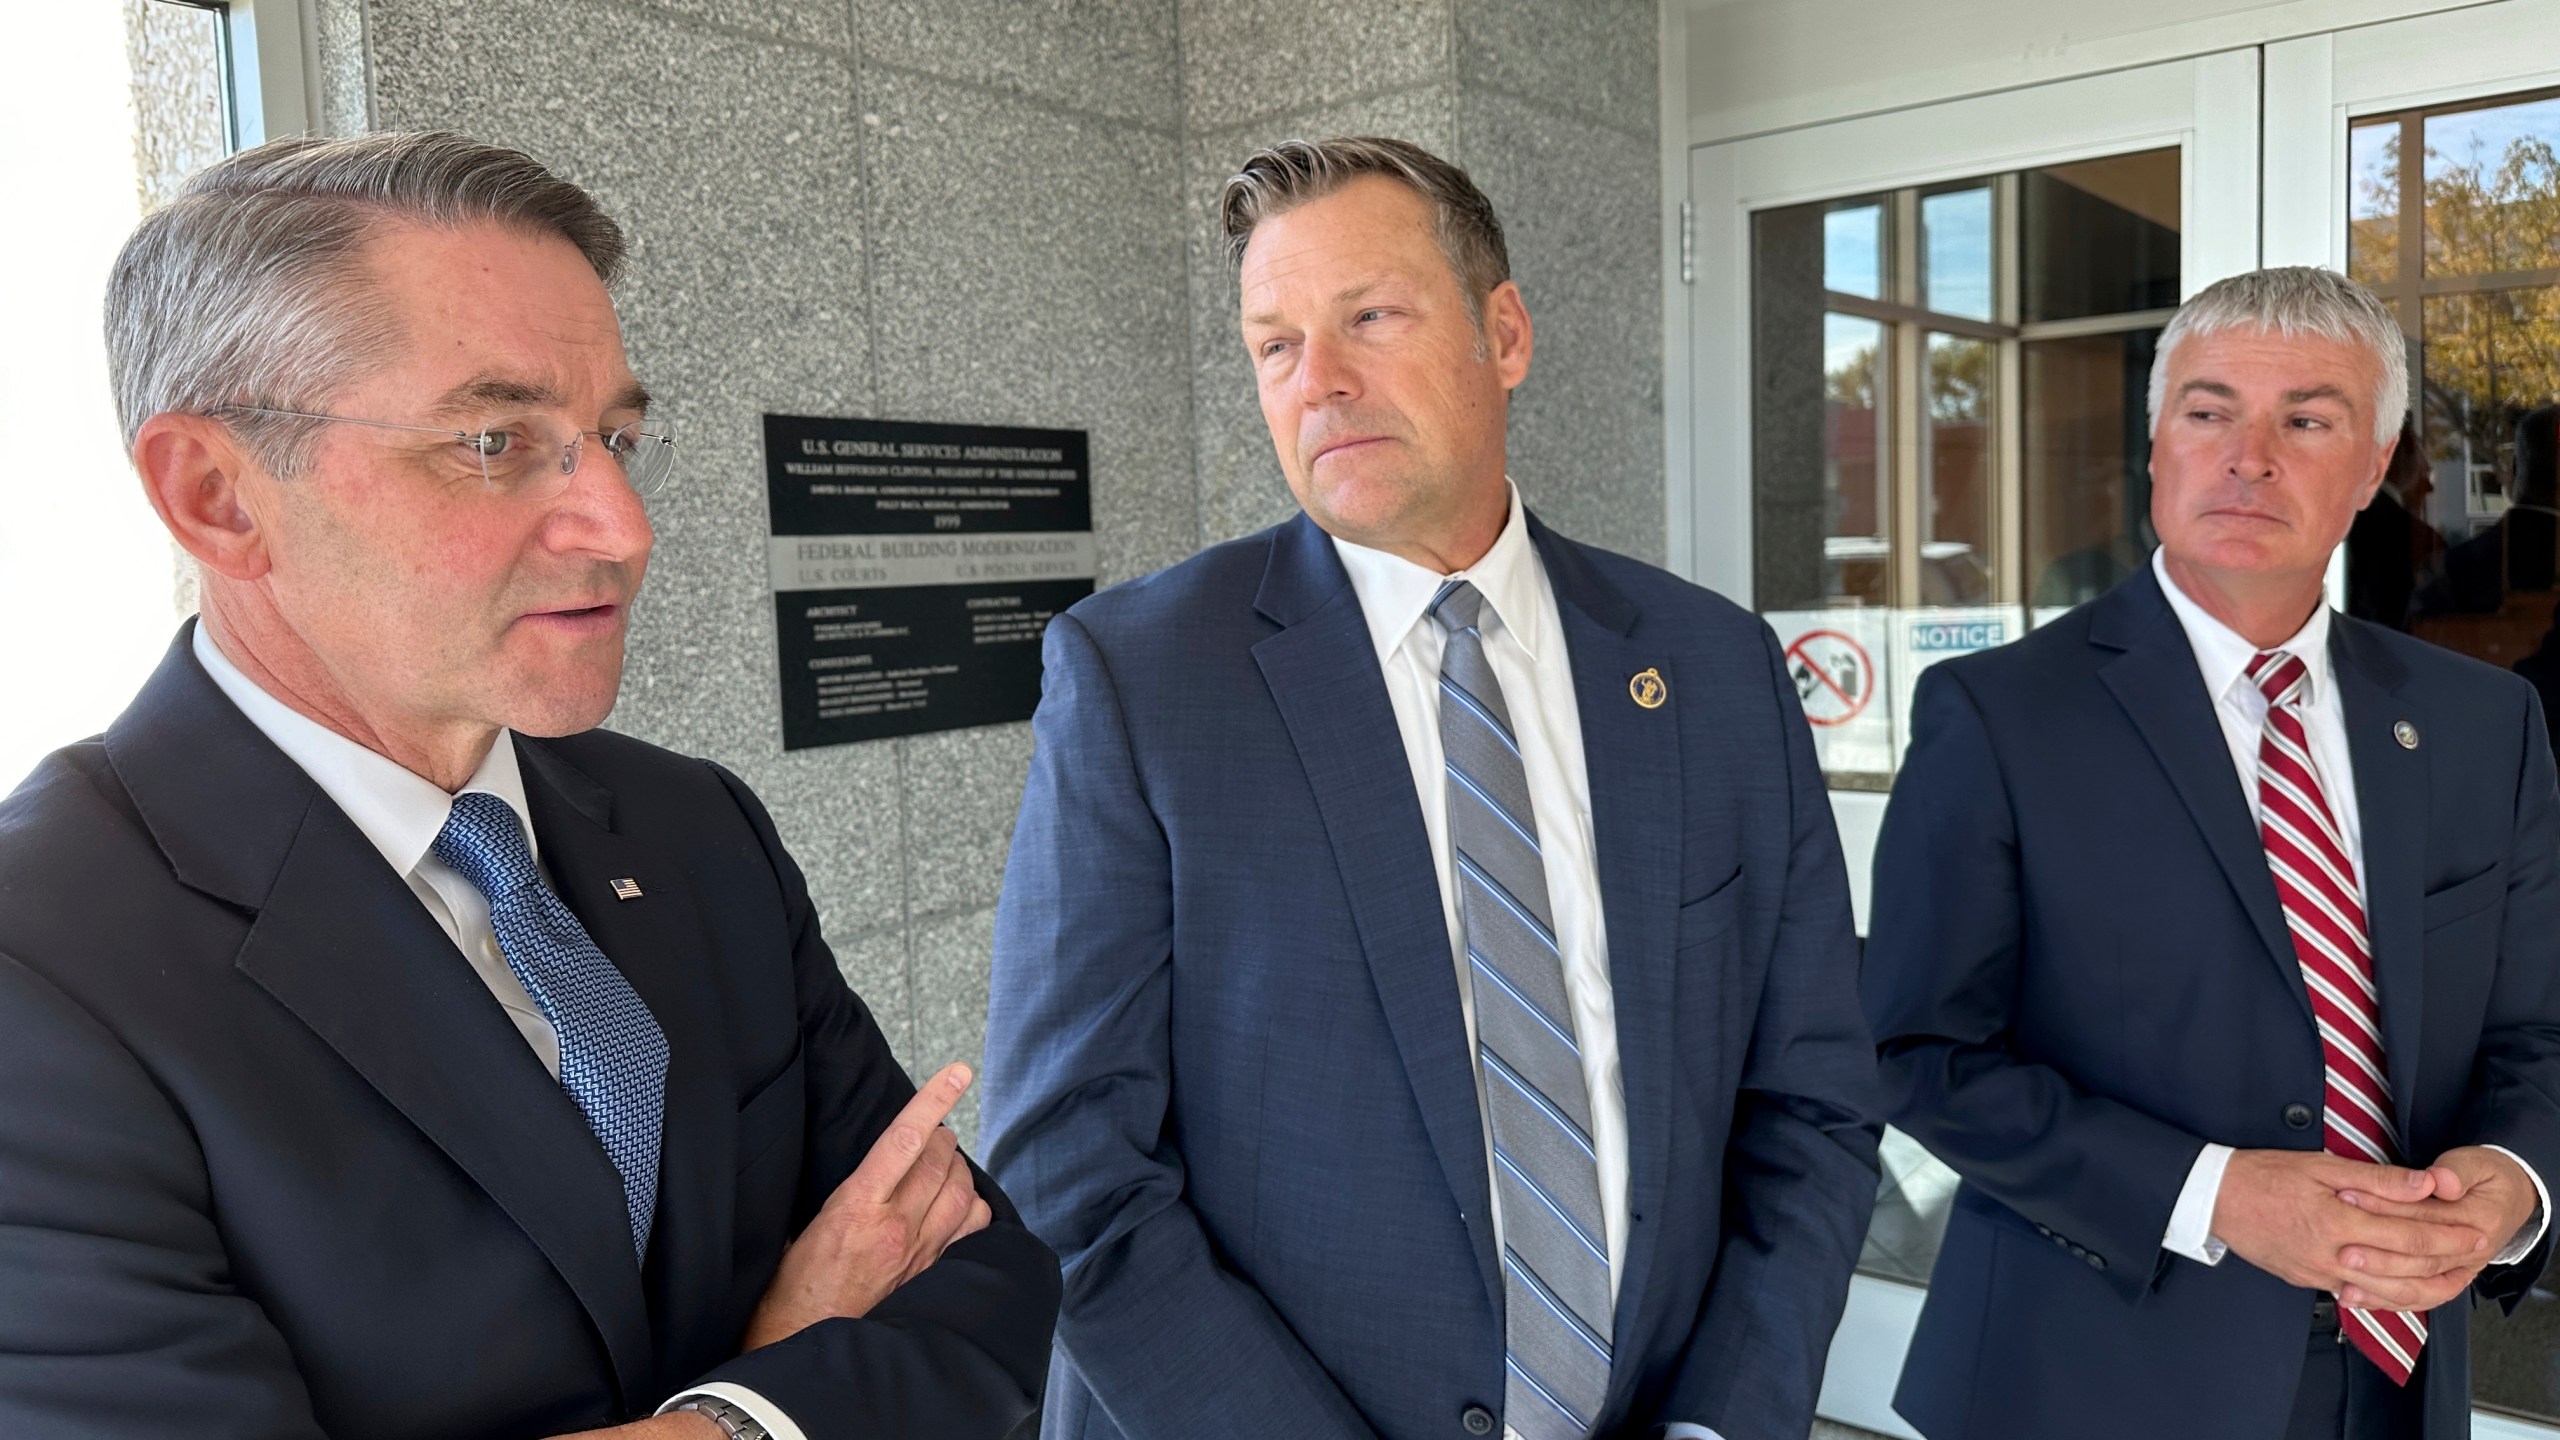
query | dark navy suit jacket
(2079,974)
(274,1164)
(1227,1073)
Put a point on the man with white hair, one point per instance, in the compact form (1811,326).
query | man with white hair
(2216,946)
(390,1052)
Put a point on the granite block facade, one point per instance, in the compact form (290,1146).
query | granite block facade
(1002,211)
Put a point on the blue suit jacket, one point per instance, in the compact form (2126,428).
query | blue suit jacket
(2079,974)
(1227,1074)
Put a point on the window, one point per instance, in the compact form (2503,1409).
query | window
(2454,219)
(1949,434)
(127,98)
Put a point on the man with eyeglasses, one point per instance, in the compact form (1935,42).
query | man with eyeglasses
(391,1052)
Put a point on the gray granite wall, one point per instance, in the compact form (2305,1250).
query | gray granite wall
(997,211)
(1552,108)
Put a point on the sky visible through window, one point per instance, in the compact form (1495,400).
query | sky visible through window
(1853,251)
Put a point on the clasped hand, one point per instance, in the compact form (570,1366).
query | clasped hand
(2376,1236)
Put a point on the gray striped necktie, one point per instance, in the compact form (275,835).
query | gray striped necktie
(1555,1260)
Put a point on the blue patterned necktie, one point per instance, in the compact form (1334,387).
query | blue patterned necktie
(613,1057)
(1555,1261)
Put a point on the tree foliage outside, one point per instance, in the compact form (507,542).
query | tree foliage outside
(2489,355)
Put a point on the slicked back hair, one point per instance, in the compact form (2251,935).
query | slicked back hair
(251,287)
(1282,177)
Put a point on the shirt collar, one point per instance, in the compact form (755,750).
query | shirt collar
(1395,592)
(2223,654)
(400,811)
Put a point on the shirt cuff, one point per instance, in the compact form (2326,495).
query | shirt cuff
(1684,1431)
(764,1412)
(2534,1225)
(2191,1222)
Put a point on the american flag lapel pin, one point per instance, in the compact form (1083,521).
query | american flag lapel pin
(626,889)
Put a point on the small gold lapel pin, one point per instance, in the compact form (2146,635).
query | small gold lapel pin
(2406,734)
(626,889)
(1647,688)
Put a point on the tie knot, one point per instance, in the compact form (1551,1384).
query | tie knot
(482,841)
(1457,607)
(2278,675)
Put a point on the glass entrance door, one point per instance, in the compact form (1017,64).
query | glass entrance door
(1921,345)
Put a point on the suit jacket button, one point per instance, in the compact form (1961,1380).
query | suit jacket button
(1478,1420)
(2298,1116)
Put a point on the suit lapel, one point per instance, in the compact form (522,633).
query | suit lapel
(2391,810)
(659,941)
(1632,758)
(340,941)
(345,946)
(2156,681)
(1323,673)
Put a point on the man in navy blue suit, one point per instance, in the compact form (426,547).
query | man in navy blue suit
(2214,944)
(1424,988)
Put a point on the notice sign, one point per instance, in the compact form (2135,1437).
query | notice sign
(914,569)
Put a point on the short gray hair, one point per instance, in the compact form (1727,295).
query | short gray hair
(2292,301)
(250,288)
(1284,176)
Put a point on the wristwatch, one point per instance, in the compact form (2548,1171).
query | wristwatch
(736,1423)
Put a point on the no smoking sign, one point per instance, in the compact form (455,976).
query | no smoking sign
(1834,677)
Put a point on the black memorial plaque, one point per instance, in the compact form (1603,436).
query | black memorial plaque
(915,567)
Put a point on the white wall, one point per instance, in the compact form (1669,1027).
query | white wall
(87,583)
(1760,65)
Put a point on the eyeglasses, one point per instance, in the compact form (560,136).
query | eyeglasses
(530,457)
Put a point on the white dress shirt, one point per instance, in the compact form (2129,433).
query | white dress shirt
(2223,656)
(402,812)
(1524,643)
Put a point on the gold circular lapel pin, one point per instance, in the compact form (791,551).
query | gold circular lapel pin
(2406,734)
(1647,688)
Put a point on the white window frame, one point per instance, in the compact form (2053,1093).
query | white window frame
(275,69)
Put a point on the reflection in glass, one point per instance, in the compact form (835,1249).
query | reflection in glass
(1955,252)
(2488,359)
(1853,250)
(2087,456)
(1855,505)
(2491,370)
(2100,237)
(1957,541)
(2373,202)
(1821,508)
(2491,201)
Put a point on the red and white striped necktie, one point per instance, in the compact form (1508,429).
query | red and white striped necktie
(2316,882)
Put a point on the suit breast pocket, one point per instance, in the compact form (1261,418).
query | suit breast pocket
(1704,920)
(2464,899)
(1710,993)
(773,1110)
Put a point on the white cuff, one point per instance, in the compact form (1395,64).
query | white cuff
(764,1412)
(1689,1432)
(2191,1222)
(2531,1235)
